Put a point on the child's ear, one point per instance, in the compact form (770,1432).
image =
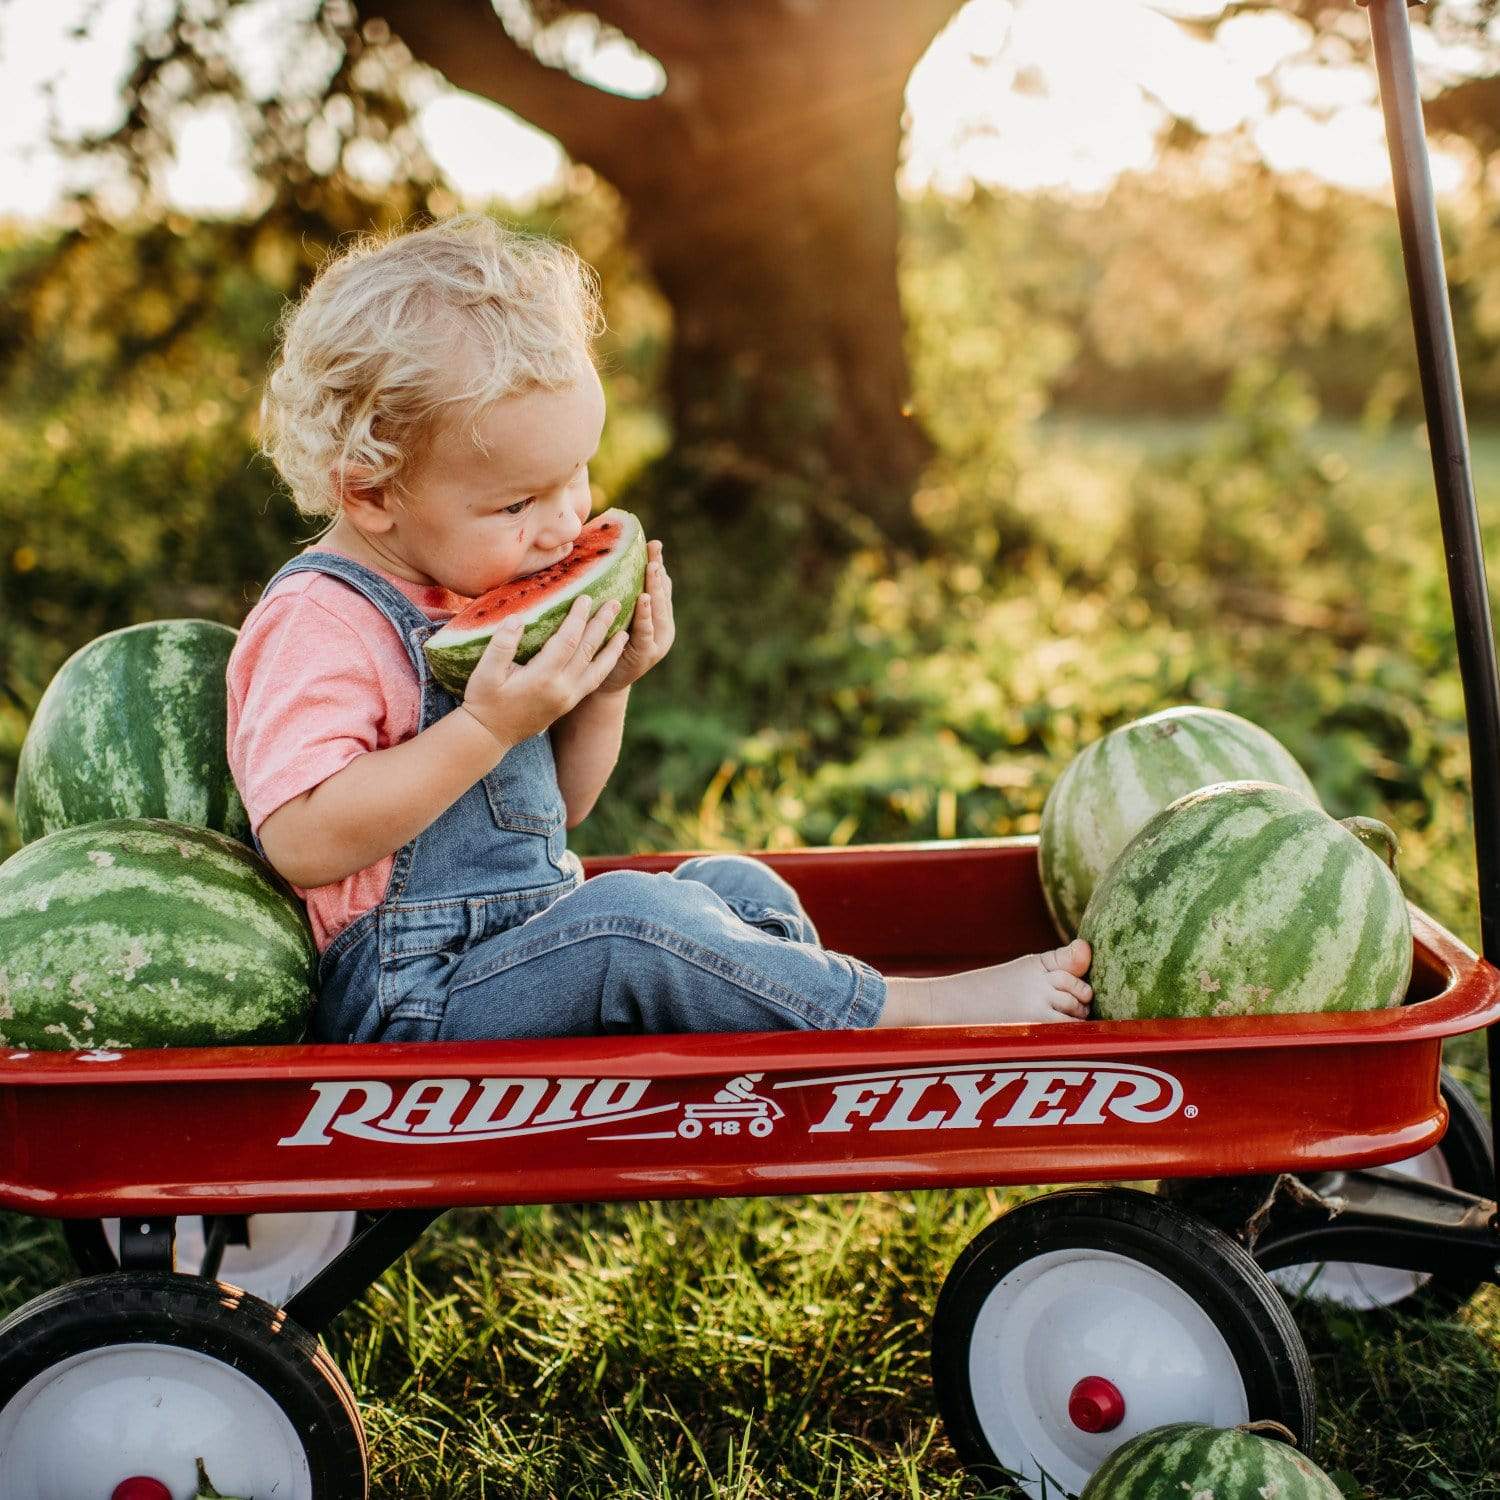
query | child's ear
(367,505)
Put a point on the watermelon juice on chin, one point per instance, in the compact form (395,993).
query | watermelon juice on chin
(607,561)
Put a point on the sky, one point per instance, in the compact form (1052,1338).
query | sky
(1005,96)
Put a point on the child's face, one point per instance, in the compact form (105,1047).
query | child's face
(479,517)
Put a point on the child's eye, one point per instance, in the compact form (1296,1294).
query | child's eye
(518,507)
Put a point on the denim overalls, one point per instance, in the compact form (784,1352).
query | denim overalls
(489,930)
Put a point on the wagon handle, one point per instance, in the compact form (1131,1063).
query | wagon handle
(1442,398)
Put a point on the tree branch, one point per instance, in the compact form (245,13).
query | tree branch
(664,29)
(465,42)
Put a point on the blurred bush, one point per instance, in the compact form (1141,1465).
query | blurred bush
(1174,279)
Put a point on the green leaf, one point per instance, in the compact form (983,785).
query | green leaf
(632,1453)
(206,1490)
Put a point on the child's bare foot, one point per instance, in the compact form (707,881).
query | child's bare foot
(1040,987)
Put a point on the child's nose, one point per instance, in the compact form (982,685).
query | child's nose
(563,526)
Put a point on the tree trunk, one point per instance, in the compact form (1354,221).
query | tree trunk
(788,333)
(761,194)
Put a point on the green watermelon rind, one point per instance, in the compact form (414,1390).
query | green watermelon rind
(133,725)
(137,932)
(1111,787)
(452,662)
(1245,899)
(1189,1461)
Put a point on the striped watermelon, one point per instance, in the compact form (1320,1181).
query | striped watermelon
(608,561)
(133,726)
(1111,788)
(1245,899)
(1186,1461)
(142,933)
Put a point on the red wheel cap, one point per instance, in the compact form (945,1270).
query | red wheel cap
(1096,1405)
(139,1487)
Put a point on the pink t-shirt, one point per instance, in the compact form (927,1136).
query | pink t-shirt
(317,677)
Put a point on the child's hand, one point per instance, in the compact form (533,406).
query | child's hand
(653,629)
(514,703)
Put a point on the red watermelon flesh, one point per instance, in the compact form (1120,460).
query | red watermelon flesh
(608,561)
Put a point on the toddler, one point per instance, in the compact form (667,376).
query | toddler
(435,401)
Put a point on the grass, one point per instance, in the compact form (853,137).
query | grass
(777,1348)
(767,1348)
(1395,452)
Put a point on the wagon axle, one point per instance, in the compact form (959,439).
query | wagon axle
(139,1487)
(1096,1405)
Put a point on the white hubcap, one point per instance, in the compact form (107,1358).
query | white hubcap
(1352,1284)
(83,1425)
(1068,1314)
(284,1253)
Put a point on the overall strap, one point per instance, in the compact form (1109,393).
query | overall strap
(408,621)
(412,626)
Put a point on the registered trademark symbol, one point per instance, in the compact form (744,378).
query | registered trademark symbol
(1191,1111)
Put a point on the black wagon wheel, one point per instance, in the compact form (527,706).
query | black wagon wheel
(1463,1159)
(117,1386)
(269,1255)
(1079,1319)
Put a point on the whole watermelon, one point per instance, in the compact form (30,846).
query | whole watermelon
(1186,1461)
(1110,788)
(1245,899)
(133,726)
(143,933)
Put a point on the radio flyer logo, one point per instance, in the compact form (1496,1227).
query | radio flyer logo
(735,1105)
(980,1096)
(970,1098)
(433,1110)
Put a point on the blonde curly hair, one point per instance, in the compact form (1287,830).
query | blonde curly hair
(406,335)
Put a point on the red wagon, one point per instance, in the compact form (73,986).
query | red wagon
(1325,1151)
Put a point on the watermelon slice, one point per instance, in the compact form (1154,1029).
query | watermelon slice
(608,561)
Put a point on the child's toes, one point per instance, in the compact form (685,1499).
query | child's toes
(1073,959)
(1079,989)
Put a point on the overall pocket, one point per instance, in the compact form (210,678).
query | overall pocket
(522,790)
(421,944)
